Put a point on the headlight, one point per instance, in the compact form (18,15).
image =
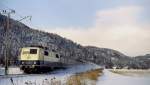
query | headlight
(22,62)
(34,62)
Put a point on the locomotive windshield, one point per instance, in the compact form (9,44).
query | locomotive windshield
(33,51)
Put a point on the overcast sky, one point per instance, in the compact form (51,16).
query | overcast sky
(123,25)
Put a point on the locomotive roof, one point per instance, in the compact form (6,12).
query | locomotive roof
(38,46)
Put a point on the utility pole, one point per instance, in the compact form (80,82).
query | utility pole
(7,37)
(7,41)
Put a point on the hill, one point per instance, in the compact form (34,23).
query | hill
(144,59)
(21,35)
(112,58)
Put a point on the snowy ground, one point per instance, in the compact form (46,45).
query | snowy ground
(110,78)
(2,71)
(53,78)
(59,77)
(132,72)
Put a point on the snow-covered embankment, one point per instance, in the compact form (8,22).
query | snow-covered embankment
(58,77)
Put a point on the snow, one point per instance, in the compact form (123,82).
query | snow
(15,70)
(11,70)
(110,78)
(59,76)
(2,71)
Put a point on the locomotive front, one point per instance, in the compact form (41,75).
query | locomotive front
(30,57)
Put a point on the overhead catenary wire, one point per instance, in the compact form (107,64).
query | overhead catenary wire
(21,18)
(16,13)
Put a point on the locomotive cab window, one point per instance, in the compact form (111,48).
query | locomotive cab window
(57,56)
(46,53)
(33,51)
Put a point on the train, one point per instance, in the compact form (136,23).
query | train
(35,59)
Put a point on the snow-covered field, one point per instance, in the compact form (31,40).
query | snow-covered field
(132,72)
(58,77)
(2,71)
(110,78)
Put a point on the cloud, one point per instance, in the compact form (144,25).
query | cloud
(115,28)
(119,15)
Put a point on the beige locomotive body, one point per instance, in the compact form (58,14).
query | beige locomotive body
(38,59)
